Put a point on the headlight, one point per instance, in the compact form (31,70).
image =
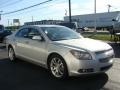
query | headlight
(81,55)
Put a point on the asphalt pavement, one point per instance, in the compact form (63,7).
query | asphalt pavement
(116,47)
(21,75)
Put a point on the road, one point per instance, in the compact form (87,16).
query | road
(21,75)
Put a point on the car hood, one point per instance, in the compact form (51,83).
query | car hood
(86,44)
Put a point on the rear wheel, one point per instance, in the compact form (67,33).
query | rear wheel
(58,67)
(11,54)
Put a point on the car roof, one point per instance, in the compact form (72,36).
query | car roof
(42,26)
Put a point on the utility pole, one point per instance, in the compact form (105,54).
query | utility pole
(95,15)
(8,23)
(70,20)
(95,6)
(32,18)
(109,6)
(0,14)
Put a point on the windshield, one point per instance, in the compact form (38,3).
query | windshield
(60,33)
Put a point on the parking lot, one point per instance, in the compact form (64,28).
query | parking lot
(21,75)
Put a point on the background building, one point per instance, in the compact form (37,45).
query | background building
(43,22)
(103,20)
(53,22)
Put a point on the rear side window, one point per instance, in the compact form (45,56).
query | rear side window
(22,33)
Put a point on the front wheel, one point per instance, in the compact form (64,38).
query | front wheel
(11,54)
(58,67)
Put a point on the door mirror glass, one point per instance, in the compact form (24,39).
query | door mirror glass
(37,38)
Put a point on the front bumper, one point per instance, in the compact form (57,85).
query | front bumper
(81,67)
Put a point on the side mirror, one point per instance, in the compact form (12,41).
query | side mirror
(37,38)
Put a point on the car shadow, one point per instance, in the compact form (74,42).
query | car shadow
(116,47)
(21,75)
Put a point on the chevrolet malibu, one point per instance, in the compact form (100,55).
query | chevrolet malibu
(61,50)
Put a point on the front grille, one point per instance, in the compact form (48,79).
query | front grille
(104,60)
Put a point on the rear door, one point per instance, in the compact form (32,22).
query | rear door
(22,41)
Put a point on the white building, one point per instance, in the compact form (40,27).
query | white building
(43,22)
(103,20)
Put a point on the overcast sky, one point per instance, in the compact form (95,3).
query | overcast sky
(55,9)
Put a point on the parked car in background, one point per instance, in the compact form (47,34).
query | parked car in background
(72,25)
(86,28)
(80,30)
(116,25)
(61,50)
(1,28)
(3,34)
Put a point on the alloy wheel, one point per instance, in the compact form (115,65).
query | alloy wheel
(57,67)
(11,54)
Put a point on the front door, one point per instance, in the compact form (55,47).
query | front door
(37,49)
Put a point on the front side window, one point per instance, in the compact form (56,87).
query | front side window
(33,32)
(28,33)
(60,33)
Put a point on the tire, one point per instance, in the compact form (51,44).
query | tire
(57,67)
(11,54)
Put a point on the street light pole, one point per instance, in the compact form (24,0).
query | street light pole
(65,12)
(70,20)
(109,6)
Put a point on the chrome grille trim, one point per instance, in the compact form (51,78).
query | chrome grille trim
(104,60)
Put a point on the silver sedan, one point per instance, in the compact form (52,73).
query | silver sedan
(61,50)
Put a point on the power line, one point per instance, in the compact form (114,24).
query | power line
(10,4)
(2,3)
(50,5)
(26,7)
(39,8)
(46,6)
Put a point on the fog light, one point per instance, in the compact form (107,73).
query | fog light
(85,70)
